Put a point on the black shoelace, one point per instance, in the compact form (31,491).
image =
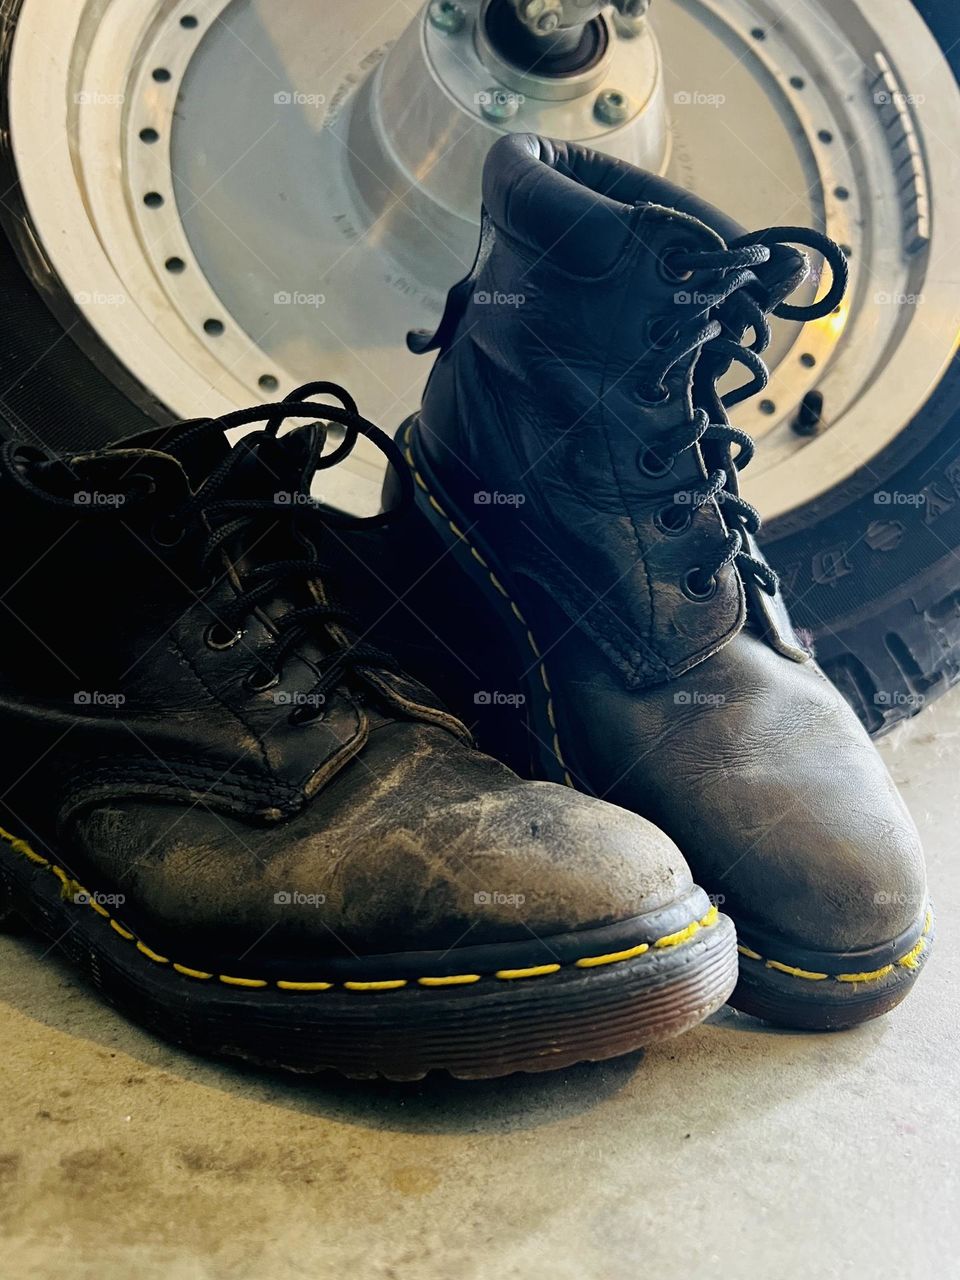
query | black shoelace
(732,308)
(227,521)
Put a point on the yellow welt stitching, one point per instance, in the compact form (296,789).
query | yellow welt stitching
(590,962)
(21,846)
(710,918)
(455,980)
(457,532)
(912,958)
(71,889)
(551,716)
(796,973)
(98,907)
(745,951)
(674,939)
(408,437)
(390,985)
(869,976)
(151,955)
(536,971)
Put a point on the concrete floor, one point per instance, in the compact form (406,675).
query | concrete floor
(733,1151)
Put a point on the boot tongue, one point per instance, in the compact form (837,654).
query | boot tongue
(278,468)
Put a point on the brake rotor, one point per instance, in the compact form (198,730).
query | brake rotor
(242,195)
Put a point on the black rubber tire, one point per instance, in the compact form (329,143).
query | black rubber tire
(59,386)
(877,583)
(877,587)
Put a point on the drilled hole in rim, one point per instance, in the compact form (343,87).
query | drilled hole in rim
(175,265)
(797,82)
(219,636)
(673,518)
(696,588)
(267,382)
(652,464)
(767,406)
(824,135)
(161,75)
(153,199)
(188,21)
(808,360)
(213,327)
(841,193)
(149,135)
(758,33)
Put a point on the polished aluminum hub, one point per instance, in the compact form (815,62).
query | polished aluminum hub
(240,195)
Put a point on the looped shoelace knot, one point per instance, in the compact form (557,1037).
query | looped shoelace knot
(219,521)
(732,307)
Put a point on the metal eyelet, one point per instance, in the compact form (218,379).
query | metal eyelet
(260,685)
(665,271)
(673,519)
(220,637)
(653,396)
(652,464)
(306,714)
(148,481)
(660,333)
(167,532)
(693,588)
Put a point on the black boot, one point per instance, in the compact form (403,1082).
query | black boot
(253,833)
(573,455)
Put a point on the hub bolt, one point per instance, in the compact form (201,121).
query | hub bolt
(611,107)
(447,16)
(632,8)
(541,16)
(498,104)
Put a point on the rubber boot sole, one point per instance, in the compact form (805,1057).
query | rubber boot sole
(593,998)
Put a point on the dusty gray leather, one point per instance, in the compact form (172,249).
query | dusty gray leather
(400,844)
(200,800)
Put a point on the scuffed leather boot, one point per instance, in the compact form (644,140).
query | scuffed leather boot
(573,455)
(254,834)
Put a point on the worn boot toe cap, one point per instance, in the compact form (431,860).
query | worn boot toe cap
(440,846)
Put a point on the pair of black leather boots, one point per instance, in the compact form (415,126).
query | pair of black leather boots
(258,832)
